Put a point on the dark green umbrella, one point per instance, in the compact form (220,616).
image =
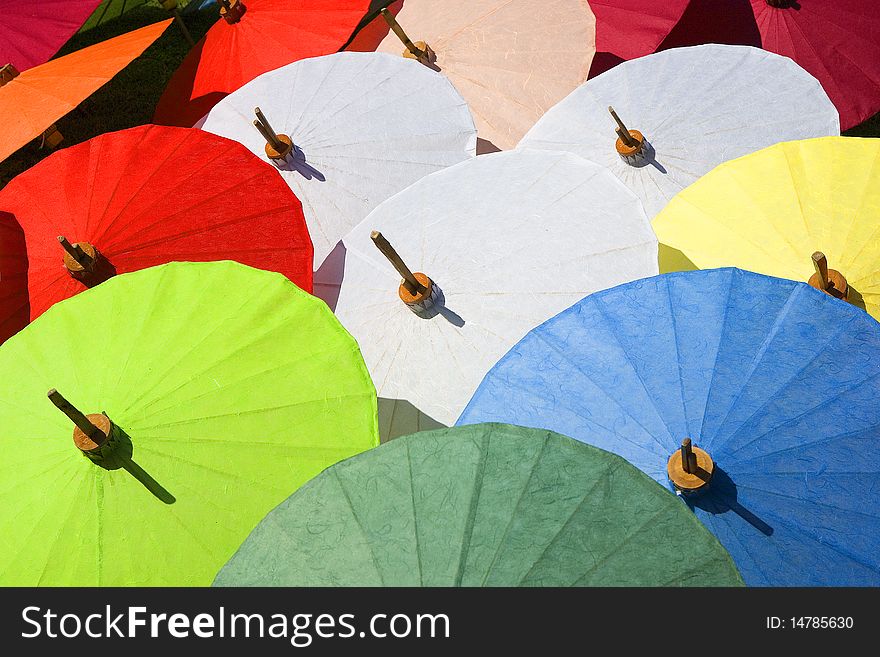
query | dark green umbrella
(481,505)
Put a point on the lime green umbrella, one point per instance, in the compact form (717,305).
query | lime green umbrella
(227,388)
(481,505)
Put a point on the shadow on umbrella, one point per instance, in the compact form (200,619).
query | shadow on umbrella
(439,308)
(670,259)
(297,162)
(398,417)
(699,24)
(484,146)
(855,298)
(103,271)
(328,277)
(603,61)
(721,497)
(15,309)
(648,157)
(121,457)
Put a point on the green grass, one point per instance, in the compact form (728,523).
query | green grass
(130,98)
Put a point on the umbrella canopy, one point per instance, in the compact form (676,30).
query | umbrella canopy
(685,111)
(223,389)
(360,127)
(770,211)
(773,382)
(838,42)
(484,505)
(251,38)
(505,241)
(31,32)
(136,198)
(510,60)
(628,29)
(35,99)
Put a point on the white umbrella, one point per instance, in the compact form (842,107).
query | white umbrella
(364,127)
(696,107)
(508,240)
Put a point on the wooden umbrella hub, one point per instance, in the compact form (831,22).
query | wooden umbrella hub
(416,289)
(689,468)
(52,137)
(278,146)
(420,293)
(232,10)
(634,147)
(420,51)
(82,265)
(80,258)
(7,74)
(630,143)
(91,432)
(830,281)
(99,438)
(279,151)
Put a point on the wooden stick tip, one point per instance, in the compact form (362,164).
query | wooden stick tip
(818,256)
(375,235)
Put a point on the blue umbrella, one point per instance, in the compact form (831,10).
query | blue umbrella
(777,382)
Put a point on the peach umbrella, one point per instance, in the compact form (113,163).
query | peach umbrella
(30,102)
(511,60)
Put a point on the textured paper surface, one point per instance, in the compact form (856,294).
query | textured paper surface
(40,96)
(32,31)
(151,195)
(776,380)
(511,239)
(836,41)
(510,59)
(271,33)
(697,107)
(484,505)
(234,386)
(368,125)
(768,212)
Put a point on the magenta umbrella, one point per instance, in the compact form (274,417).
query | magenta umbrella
(32,31)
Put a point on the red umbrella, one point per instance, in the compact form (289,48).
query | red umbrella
(32,31)
(837,41)
(147,196)
(251,38)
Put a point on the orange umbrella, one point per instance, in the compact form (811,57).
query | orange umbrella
(30,102)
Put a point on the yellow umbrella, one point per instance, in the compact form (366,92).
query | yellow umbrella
(806,210)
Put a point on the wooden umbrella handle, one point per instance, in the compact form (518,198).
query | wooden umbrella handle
(820,262)
(75,415)
(622,131)
(410,282)
(398,30)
